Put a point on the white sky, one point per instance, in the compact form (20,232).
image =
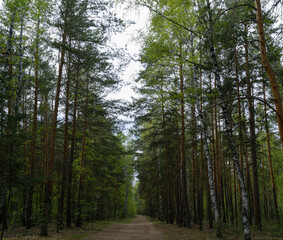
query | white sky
(129,39)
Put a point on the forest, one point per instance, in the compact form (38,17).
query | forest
(202,143)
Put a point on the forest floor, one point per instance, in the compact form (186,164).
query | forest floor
(174,232)
(140,228)
(74,233)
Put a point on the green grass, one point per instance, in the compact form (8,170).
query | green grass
(270,231)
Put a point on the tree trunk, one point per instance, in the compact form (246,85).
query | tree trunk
(49,171)
(183,171)
(227,121)
(66,146)
(79,220)
(126,202)
(34,136)
(200,192)
(269,70)
(72,150)
(256,205)
(169,216)
(270,158)
(217,218)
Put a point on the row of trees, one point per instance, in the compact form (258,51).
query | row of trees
(210,117)
(62,157)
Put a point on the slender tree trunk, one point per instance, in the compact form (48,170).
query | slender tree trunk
(232,218)
(265,202)
(183,171)
(49,170)
(79,220)
(72,155)
(239,110)
(200,192)
(195,170)
(169,217)
(270,158)
(34,135)
(66,146)
(269,70)
(125,209)
(229,131)
(248,175)
(256,205)
(217,218)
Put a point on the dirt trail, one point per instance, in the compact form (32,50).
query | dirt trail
(139,229)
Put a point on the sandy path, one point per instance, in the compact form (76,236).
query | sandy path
(139,229)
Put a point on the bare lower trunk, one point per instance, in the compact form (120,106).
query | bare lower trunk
(126,201)
(169,216)
(210,176)
(71,158)
(79,220)
(270,159)
(183,171)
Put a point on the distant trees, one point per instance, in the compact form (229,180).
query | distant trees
(211,49)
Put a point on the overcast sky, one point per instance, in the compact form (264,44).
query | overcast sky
(129,39)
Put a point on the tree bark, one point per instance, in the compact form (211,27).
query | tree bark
(270,158)
(256,205)
(49,170)
(183,171)
(66,146)
(72,151)
(269,70)
(169,216)
(217,218)
(229,131)
(79,220)
(34,135)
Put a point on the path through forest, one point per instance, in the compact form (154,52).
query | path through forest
(139,229)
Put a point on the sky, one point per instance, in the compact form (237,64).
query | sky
(129,39)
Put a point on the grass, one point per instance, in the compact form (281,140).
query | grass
(270,231)
(72,233)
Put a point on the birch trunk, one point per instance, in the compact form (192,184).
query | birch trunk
(229,131)
(210,176)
